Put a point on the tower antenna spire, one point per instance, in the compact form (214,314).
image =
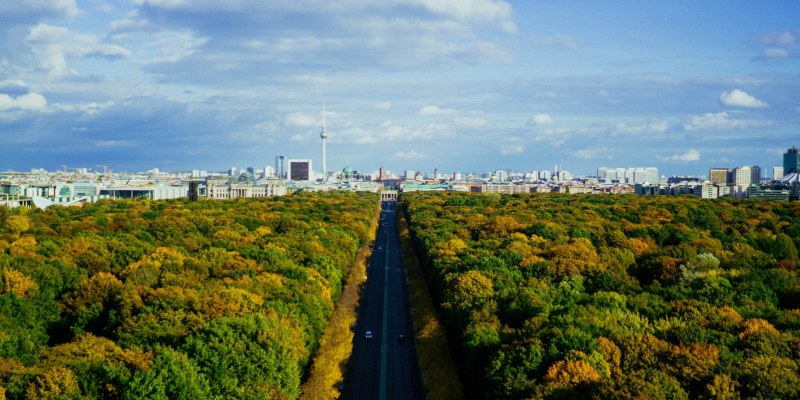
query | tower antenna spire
(323,135)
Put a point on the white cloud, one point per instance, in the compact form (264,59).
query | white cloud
(595,153)
(430,111)
(560,40)
(512,145)
(541,119)
(654,126)
(470,122)
(340,36)
(297,138)
(13,85)
(55,46)
(690,155)
(171,46)
(301,119)
(114,143)
(26,102)
(408,155)
(133,21)
(721,121)
(558,136)
(89,108)
(778,38)
(490,11)
(383,105)
(549,94)
(389,132)
(63,7)
(163,3)
(738,98)
(774,52)
(779,45)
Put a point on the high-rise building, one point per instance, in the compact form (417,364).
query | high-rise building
(755,171)
(500,176)
(747,175)
(544,175)
(621,174)
(640,175)
(629,175)
(299,170)
(279,167)
(777,173)
(718,176)
(791,161)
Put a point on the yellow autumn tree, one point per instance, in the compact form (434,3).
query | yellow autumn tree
(572,258)
(723,387)
(19,284)
(57,383)
(470,290)
(17,224)
(571,373)
(754,325)
(449,248)
(24,246)
(693,361)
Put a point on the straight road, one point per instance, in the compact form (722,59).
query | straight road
(384,367)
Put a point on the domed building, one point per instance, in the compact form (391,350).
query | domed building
(347,173)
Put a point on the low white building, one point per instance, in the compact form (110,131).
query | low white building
(149,192)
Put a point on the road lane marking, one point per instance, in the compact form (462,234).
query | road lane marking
(385,323)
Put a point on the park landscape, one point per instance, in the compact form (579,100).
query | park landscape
(542,296)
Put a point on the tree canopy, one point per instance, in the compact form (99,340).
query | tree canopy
(172,299)
(552,296)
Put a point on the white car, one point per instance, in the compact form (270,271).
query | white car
(368,335)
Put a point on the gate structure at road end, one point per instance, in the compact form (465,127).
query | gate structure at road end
(389,195)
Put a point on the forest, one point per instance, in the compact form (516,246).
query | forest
(558,296)
(172,299)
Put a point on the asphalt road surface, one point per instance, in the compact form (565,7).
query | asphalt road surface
(384,367)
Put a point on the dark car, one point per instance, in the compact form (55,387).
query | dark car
(401,338)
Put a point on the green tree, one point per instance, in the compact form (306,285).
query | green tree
(171,376)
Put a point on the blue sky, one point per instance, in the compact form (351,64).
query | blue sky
(462,85)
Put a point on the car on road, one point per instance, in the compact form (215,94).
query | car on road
(368,335)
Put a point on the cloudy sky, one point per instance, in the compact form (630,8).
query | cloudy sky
(462,85)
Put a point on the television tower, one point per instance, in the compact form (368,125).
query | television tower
(323,135)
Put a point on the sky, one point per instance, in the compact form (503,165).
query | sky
(458,85)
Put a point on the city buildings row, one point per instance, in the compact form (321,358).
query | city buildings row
(80,185)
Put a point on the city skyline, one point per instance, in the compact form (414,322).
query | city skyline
(463,85)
